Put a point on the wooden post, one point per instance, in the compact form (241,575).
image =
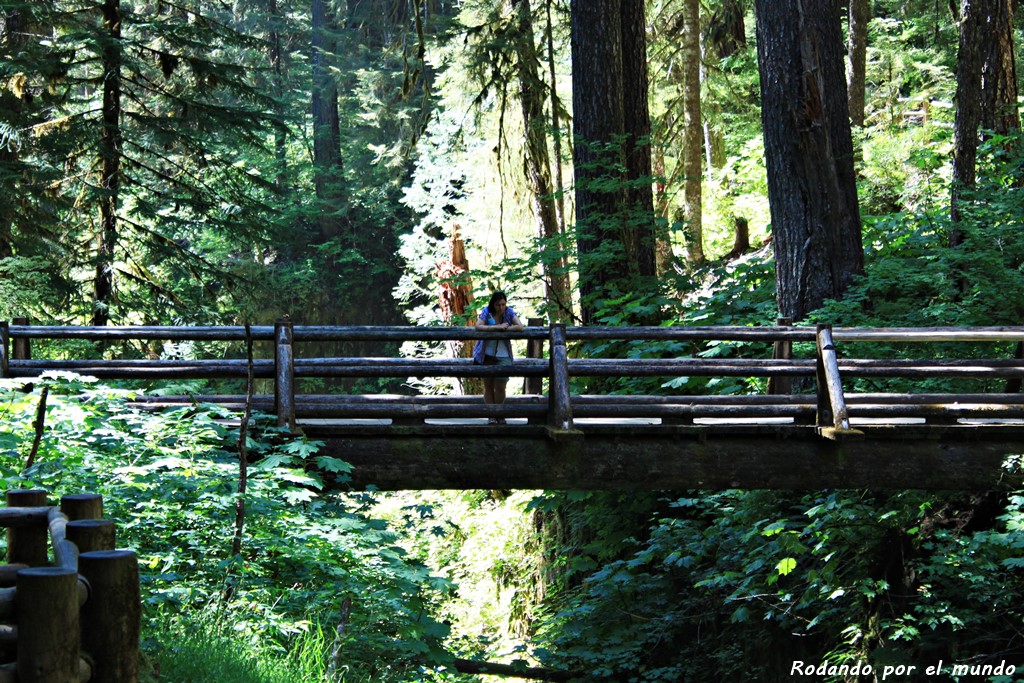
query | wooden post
(5,346)
(824,418)
(1013,384)
(559,399)
(534,349)
(46,606)
(111,616)
(27,545)
(830,390)
(82,506)
(22,348)
(284,373)
(92,534)
(782,349)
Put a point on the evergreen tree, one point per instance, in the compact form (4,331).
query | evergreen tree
(611,125)
(809,153)
(141,145)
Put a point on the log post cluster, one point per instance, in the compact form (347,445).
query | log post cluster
(75,618)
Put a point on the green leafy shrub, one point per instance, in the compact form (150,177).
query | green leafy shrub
(170,482)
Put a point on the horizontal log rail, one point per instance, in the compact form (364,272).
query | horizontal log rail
(75,618)
(827,365)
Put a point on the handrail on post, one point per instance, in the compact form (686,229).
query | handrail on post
(559,400)
(284,373)
(833,416)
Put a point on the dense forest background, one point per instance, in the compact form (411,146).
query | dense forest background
(603,161)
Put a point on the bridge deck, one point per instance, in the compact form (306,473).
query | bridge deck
(613,455)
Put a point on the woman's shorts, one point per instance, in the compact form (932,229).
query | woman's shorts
(498,360)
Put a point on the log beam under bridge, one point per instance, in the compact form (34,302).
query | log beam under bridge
(668,457)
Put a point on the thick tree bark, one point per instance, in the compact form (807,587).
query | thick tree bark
(110,163)
(598,118)
(812,192)
(741,238)
(614,211)
(856,58)
(692,133)
(532,98)
(970,58)
(727,32)
(999,72)
(640,226)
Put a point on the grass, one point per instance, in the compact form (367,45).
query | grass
(202,651)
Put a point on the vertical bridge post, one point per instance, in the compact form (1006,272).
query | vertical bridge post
(534,349)
(5,345)
(559,401)
(782,349)
(284,373)
(833,417)
(825,416)
(22,347)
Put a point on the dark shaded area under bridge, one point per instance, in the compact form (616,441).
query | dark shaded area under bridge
(828,437)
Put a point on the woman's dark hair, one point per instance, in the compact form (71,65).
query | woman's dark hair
(495,298)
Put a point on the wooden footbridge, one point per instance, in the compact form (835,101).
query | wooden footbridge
(840,407)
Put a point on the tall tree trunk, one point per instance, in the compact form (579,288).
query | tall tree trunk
(999,72)
(808,153)
(110,162)
(538,167)
(663,256)
(556,125)
(640,225)
(728,33)
(856,58)
(969,61)
(12,36)
(614,212)
(598,118)
(327,162)
(692,133)
(278,80)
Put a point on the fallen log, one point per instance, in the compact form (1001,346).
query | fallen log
(473,666)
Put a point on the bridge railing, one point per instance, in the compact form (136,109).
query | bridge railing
(75,618)
(823,375)
(923,407)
